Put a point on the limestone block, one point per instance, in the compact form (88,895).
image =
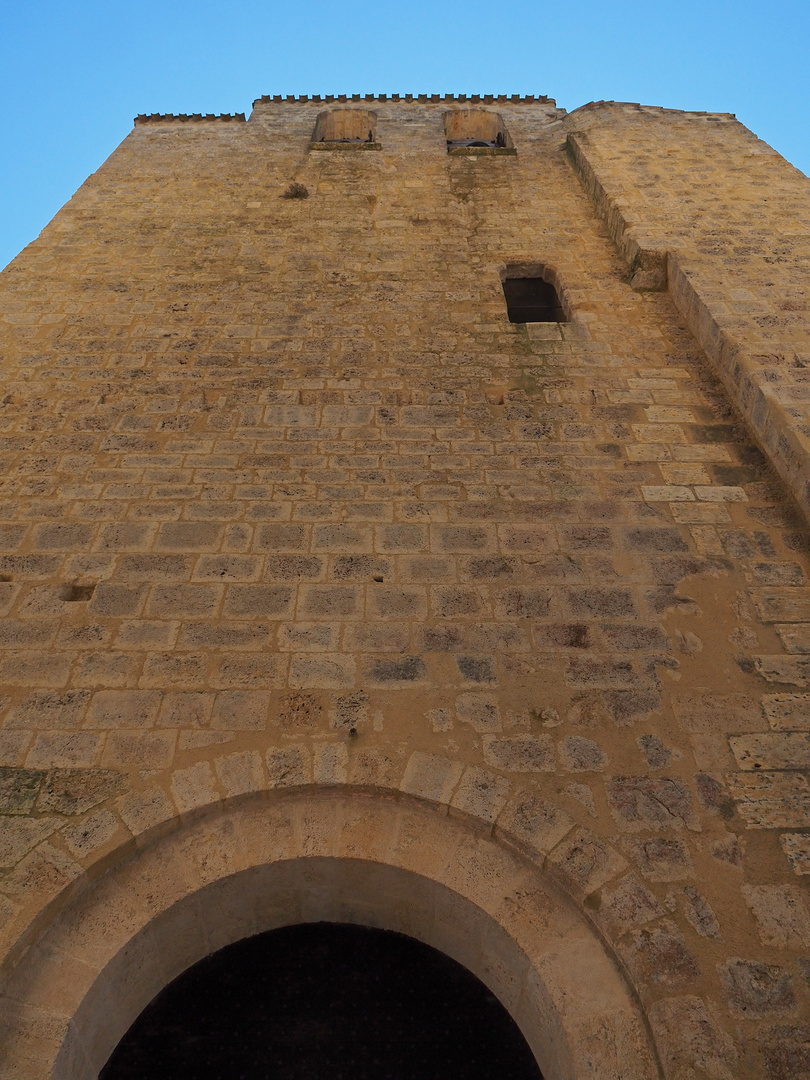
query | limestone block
(782,914)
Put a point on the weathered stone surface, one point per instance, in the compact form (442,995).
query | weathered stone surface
(582,755)
(585,861)
(326,671)
(791,670)
(142,810)
(139,749)
(787,711)
(288,766)
(289,501)
(241,710)
(714,796)
(757,990)
(19,789)
(299,712)
(699,913)
(539,824)
(728,850)
(95,832)
(397,673)
(73,791)
(778,750)
(778,605)
(797,848)
(64,749)
(194,786)
(350,710)
(49,709)
(642,802)
(630,904)
(480,711)
(661,859)
(771,800)
(657,754)
(787,1051)
(481,793)
(431,776)
(660,954)
(692,1038)
(18,835)
(782,914)
(520,753)
(123,708)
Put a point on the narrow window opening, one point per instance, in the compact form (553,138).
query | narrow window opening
(531,299)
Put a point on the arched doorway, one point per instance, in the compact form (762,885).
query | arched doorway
(324,1001)
(335,855)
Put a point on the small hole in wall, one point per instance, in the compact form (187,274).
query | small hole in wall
(531,299)
(5,577)
(75,594)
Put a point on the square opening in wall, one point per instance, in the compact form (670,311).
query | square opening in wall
(530,299)
(345,129)
(476,132)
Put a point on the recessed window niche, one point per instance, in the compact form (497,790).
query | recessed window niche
(345,129)
(532,294)
(476,131)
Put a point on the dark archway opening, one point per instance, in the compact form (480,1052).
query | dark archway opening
(324,1001)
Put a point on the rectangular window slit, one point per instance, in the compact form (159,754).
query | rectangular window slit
(531,299)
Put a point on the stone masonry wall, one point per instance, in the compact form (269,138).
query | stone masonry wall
(697,199)
(287,502)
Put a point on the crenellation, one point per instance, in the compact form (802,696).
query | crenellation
(488,99)
(151,118)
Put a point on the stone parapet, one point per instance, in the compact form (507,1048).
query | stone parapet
(153,118)
(435,99)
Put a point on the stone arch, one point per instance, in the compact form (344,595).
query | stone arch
(256,863)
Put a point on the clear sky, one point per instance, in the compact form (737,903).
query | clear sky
(73,74)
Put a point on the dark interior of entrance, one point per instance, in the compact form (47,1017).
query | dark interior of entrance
(324,1001)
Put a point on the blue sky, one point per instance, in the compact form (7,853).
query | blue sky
(73,75)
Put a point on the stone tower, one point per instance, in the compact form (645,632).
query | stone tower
(329,592)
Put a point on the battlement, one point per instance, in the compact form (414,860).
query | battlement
(422,99)
(355,99)
(152,118)
(328,99)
